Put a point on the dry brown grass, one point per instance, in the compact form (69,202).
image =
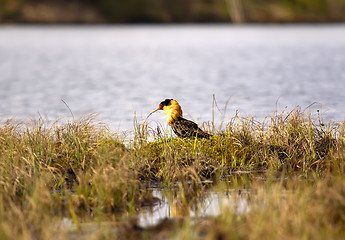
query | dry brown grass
(49,172)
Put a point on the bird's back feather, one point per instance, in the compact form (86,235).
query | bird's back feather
(187,129)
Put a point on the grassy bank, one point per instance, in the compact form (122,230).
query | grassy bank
(173,11)
(78,170)
(287,143)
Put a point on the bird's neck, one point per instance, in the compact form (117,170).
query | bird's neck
(172,112)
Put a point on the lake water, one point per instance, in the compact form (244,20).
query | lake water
(118,70)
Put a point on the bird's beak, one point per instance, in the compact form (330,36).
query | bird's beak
(159,108)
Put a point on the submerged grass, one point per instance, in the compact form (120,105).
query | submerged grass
(73,169)
(292,210)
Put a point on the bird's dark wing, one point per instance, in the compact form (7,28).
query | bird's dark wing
(187,129)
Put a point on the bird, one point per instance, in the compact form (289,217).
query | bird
(182,127)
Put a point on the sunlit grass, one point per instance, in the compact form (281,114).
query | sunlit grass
(291,143)
(71,170)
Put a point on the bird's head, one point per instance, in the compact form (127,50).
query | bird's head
(171,108)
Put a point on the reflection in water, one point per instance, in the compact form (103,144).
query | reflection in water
(213,204)
(233,193)
(171,207)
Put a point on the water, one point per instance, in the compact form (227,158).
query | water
(117,71)
(213,204)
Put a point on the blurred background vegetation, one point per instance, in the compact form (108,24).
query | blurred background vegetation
(171,11)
